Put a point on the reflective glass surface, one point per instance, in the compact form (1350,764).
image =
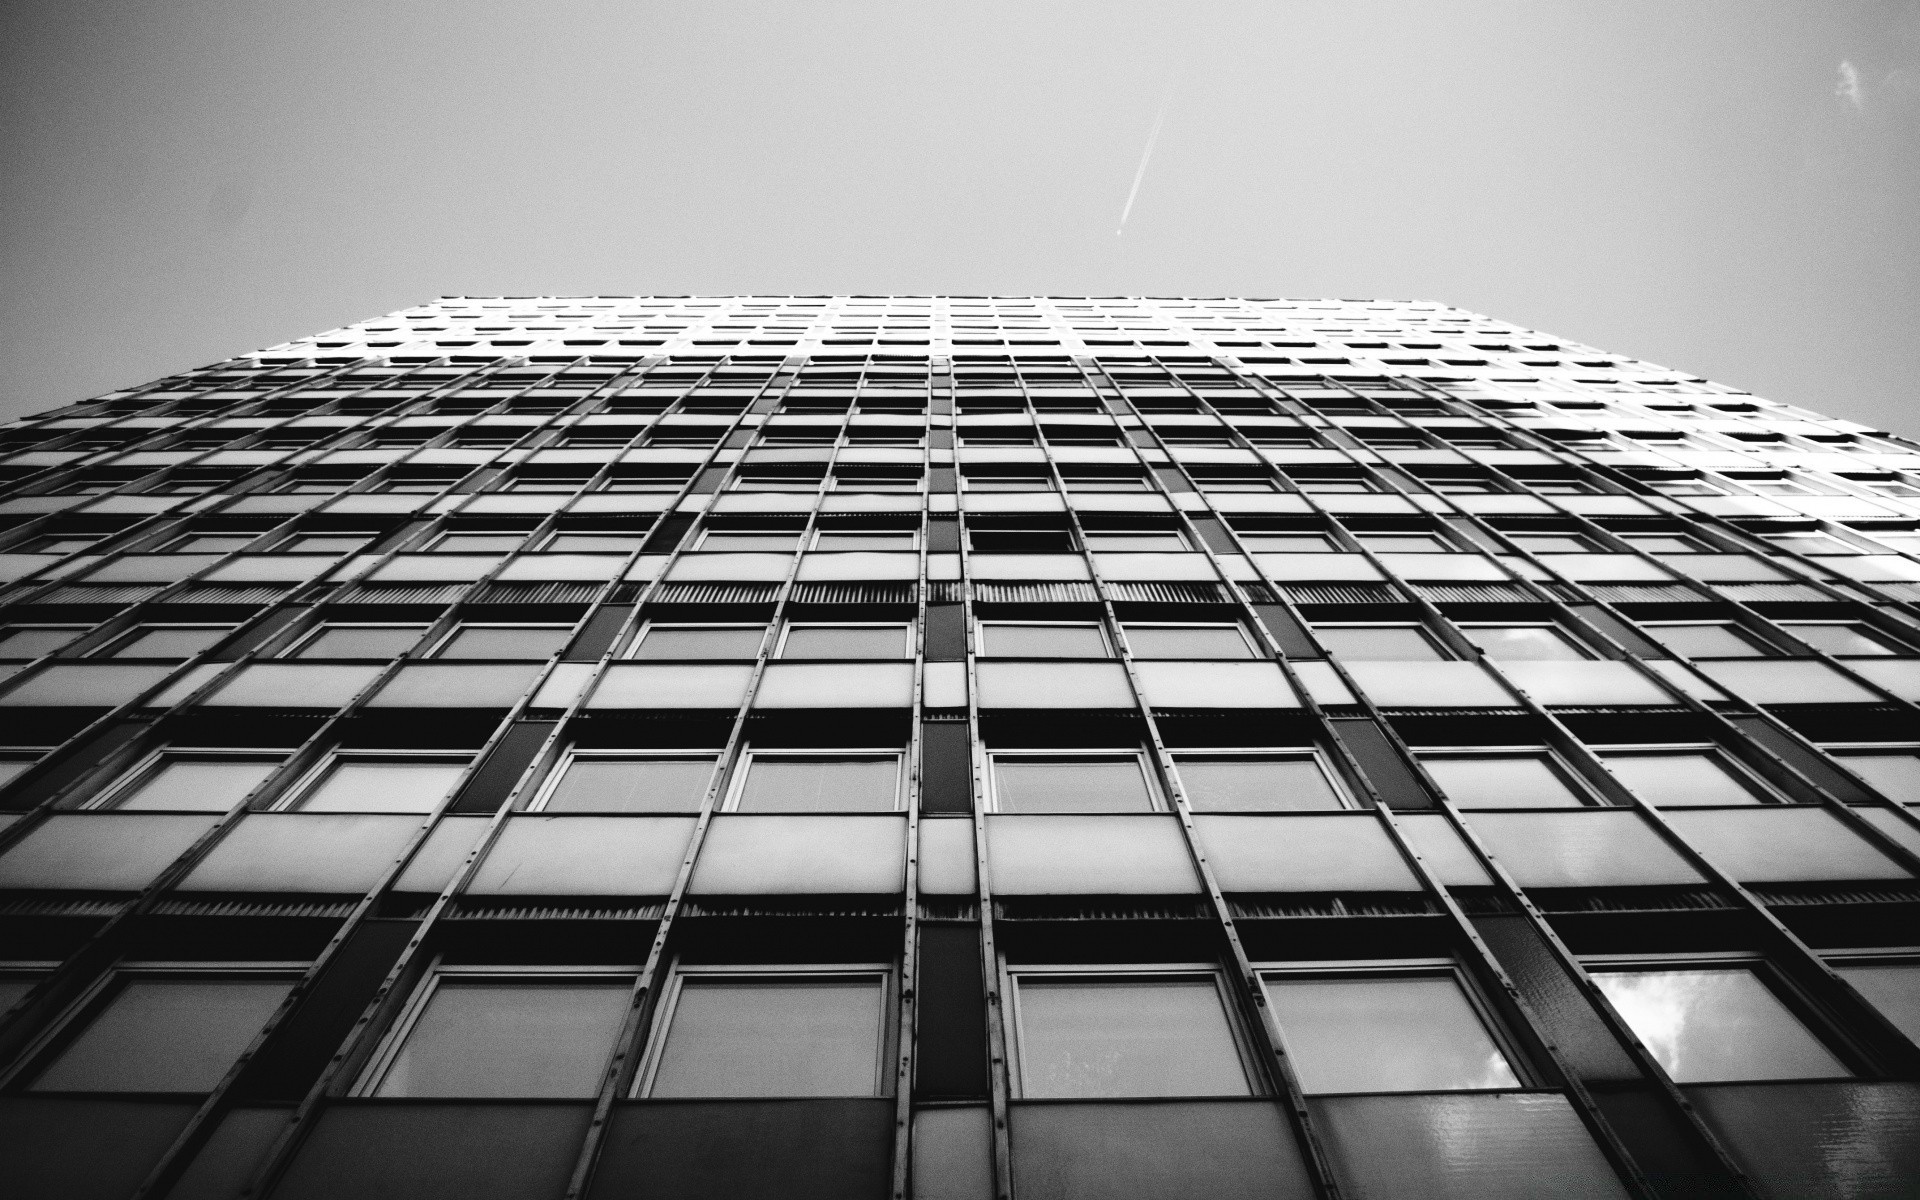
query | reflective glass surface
(1222,783)
(1522,642)
(1893,988)
(1382,1033)
(163,642)
(1097,1037)
(1500,781)
(845,641)
(699,641)
(360,641)
(1679,779)
(1012,639)
(1187,641)
(821,783)
(198,785)
(509,1039)
(1716,1024)
(490,641)
(164,1035)
(1070,784)
(373,785)
(634,785)
(1385,643)
(772,1036)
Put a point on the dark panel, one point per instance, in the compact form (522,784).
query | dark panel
(1463,1146)
(746,1150)
(83,1149)
(1820,1141)
(1586,1045)
(1670,1153)
(1293,640)
(667,534)
(946,633)
(1215,535)
(953,1153)
(1172,1150)
(942,479)
(293,1058)
(1384,767)
(943,535)
(1803,760)
(406,1150)
(950,1044)
(1173,479)
(77,763)
(225,1165)
(596,636)
(489,786)
(709,481)
(946,767)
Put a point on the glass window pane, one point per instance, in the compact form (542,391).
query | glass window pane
(170,643)
(1713,1024)
(1136,541)
(1187,641)
(1126,1037)
(778,1036)
(1036,784)
(765,543)
(478,543)
(1679,779)
(1838,639)
(1706,641)
(1522,642)
(1255,784)
(699,641)
(1501,781)
(590,543)
(361,641)
(324,544)
(1893,988)
(1006,639)
(845,641)
(1387,643)
(1382,1034)
(1895,776)
(864,541)
(210,544)
(1402,543)
(1287,543)
(165,1035)
(543,641)
(374,786)
(30,642)
(631,785)
(807,783)
(485,1038)
(203,785)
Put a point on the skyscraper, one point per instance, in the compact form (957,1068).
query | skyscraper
(957,747)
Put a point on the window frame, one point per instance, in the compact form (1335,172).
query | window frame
(1442,652)
(1577,783)
(110,649)
(130,781)
(982,651)
(630,652)
(313,633)
(13,627)
(1762,647)
(1348,801)
(572,754)
(454,630)
(1582,651)
(661,1024)
(1254,649)
(788,626)
(293,797)
(734,789)
(1158,797)
(1764,792)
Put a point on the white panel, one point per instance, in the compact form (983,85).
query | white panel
(1155,566)
(1028,566)
(434,863)
(1323,683)
(1779,681)
(730,566)
(591,567)
(1901,676)
(1175,684)
(271,568)
(1724,568)
(84,685)
(1891,823)
(751,854)
(584,856)
(649,685)
(1053,685)
(107,852)
(1429,685)
(947,866)
(1774,844)
(1020,502)
(563,685)
(1068,855)
(152,568)
(456,685)
(436,568)
(1442,566)
(1303,853)
(1587,848)
(1319,568)
(1874,568)
(1583,682)
(944,685)
(303,852)
(836,685)
(1445,854)
(859,564)
(1621,567)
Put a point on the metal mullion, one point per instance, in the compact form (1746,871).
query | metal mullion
(1246,983)
(631,1039)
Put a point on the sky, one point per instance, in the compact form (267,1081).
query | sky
(1727,187)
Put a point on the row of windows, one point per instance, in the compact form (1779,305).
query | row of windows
(1079,1031)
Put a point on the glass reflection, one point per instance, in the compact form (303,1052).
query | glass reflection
(488,1038)
(1716,1024)
(1126,1037)
(1371,1033)
(773,1037)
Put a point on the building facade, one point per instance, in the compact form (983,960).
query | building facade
(957,748)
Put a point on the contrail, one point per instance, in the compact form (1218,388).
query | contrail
(1134,191)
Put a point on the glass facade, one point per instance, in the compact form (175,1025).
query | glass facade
(957,747)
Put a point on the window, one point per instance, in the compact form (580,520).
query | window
(1715,1023)
(167,641)
(749,541)
(1072,782)
(61,543)
(208,543)
(865,539)
(161,1032)
(1287,543)
(1399,1027)
(769,482)
(609,781)
(1517,779)
(1840,638)
(357,641)
(1385,643)
(982,480)
(1188,641)
(1088,1035)
(504,641)
(1403,543)
(319,543)
(1165,542)
(1281,782)
(193,782)
(1330,484)
(1665,543)
(593,543)
(1684,777)
(1038,639)
(1004,540)
(815,1031)
(698,641)
(1552,543)
(355,781)
(1895,774)
(504,1033)
(476,543)
(818,781)
(1706,639)
(1810,543)
(1522,643)
(31,641)
(847,641)
(1892,986)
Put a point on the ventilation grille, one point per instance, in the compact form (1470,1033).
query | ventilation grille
(1351,904)
(1476,593)
(1637,593)
(715,593)
(1100,908)
(330,907)
(1035,593)
(213,593)
(537,593)
(1170,593)
(853,593)
(1774,593)
(98,594)
(1341,593)
(402,593)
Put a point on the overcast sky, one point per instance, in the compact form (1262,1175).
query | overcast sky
(1726,188)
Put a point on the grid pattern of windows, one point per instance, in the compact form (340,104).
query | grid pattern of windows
(941,745)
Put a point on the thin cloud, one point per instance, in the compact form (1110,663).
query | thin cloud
(1146,155)
(1848,88)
